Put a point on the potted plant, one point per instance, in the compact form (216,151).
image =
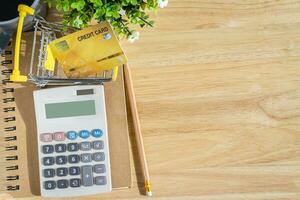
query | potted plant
(122,14)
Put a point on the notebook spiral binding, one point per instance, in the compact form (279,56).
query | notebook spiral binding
(9,129)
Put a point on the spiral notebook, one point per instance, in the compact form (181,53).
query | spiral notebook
(19,165)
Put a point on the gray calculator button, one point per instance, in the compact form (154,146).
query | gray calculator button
(47,161)
(98,156)
(72,147)
(98,144)
(100,168)
(85,146)
(59,148)
(100,180)
(87,175)
(62,171)
(49,185)
(48,149)
(86,157)
(48,173)
(60,160)
(62,183)
(75,182)
(73,158)
(74,170)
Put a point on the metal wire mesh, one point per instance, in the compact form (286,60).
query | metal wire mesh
(44,33)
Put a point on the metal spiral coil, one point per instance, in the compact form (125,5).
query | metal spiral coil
(11,137)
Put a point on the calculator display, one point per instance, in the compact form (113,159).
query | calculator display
(70,109)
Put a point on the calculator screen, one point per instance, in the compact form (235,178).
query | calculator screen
(70,109)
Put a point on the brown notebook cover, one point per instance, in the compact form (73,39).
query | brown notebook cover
(19,157)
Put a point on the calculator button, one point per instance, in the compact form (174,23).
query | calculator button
(46,137)
(72,147)
(62,171)
(98,156)
(97,133)
(84,134)
(75,182)
(59,136)
(62,183)
(74,170)
(73,158)
(98,144)
(100,180)
(72,135)
(85,146)
(59,148)
(99,168)
(48,173)
(87,175)
(47,161)
(48,149)
(50,185)
(60,160)
(86,157)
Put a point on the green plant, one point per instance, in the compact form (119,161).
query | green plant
(121,14)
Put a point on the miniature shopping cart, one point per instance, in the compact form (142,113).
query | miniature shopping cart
(39,74)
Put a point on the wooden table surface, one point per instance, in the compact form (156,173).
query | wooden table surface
(218,92)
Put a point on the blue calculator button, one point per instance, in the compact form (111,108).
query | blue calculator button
(97,133)
(84,134)
(72,135)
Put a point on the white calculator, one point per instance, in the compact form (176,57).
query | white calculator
(72,141)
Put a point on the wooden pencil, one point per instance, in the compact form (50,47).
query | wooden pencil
(137,129)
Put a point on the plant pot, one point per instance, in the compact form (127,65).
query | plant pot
(9,18)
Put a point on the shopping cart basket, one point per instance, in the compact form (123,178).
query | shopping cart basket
(39,74)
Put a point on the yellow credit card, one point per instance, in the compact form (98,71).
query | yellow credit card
(88,51)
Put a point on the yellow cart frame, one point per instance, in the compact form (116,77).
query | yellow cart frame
(44,74)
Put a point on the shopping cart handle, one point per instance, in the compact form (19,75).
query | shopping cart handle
(23,11)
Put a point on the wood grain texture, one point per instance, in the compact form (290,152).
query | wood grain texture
(218,91)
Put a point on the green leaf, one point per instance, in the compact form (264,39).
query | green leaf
(77,22)
(116,15)
(134,2)
(59,5)
(78,5)
(99,12)
(66,6)
(96,3)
